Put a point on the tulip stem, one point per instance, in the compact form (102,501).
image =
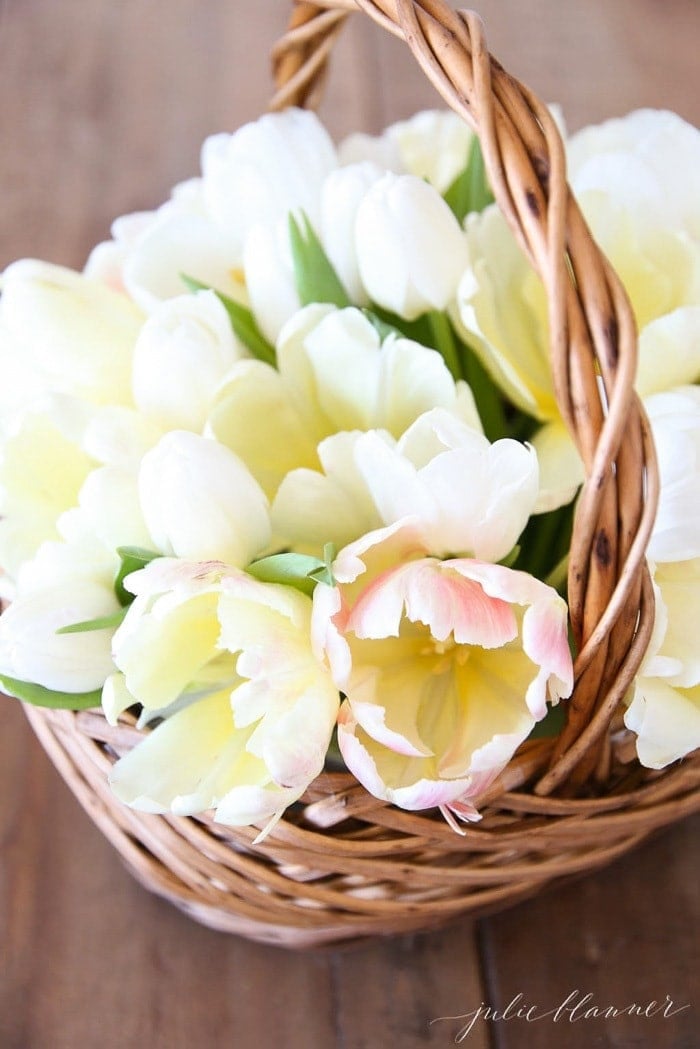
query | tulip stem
(444,340)
(557,578)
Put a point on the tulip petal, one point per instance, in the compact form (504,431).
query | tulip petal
(32,650)
(666,721)
(179,243)
(186,765)
(185,473)
(393,777)
(181,355)
(561,467)
(669,351)
(78,333)
(252,415)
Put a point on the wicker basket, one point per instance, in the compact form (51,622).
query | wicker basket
(343,864)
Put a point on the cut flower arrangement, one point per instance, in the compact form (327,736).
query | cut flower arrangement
(292,436)
(285,481)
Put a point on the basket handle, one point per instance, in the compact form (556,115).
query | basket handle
(592,334)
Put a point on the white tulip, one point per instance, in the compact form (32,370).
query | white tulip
(265,170)
(334,374)
(47,464)
(76,333)
(463,495)
(269,277)
(675,424)
(432,145)
(42,470)
(176,244)
(342,194)
(106,261)
(411,251)
(645,159)
(108,511)
(31,650)
(248,709)
(200,502)
(183,352)
(664,706)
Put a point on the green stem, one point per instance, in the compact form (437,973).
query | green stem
(558,577)
(444,339)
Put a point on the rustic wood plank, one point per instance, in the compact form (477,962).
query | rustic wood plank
(400,991)
(626,936)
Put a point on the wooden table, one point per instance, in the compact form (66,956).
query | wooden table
(103,106)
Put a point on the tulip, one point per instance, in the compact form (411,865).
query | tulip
(77,333)
(466,496)
(42,470)
(176,244)
(265,170)
(664,706)
(446,666)
(181,355)
(200,502)
(52,463)
(432,145)
(341,197)
(335,373)
(675,424)
(259,708)
(645,156)
(31,650)
(411,251)
(269,277)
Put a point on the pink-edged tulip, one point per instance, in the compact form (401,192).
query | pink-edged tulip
(446,666)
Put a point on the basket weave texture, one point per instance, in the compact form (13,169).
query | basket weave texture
(342,864)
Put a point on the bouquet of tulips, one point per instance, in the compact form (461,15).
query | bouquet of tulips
(283,474)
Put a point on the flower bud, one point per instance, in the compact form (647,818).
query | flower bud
(411,251)
(200,502)
(183,352)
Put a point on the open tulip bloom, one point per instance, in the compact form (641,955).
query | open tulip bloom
(283,477)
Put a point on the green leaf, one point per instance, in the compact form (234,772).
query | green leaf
(316,279)
(444,342)
(101,623)
(387,323)
(489,398)
(382,328)
(470,190)
(509,560)
(544,543)
(296,570)
(132,559)
(45,697)
(325,574)
(242,320)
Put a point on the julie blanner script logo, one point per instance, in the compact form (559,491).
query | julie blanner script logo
(576,1007)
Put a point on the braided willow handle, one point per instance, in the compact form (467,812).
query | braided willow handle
(592,335)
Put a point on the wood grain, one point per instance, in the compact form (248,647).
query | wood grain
(104,107)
